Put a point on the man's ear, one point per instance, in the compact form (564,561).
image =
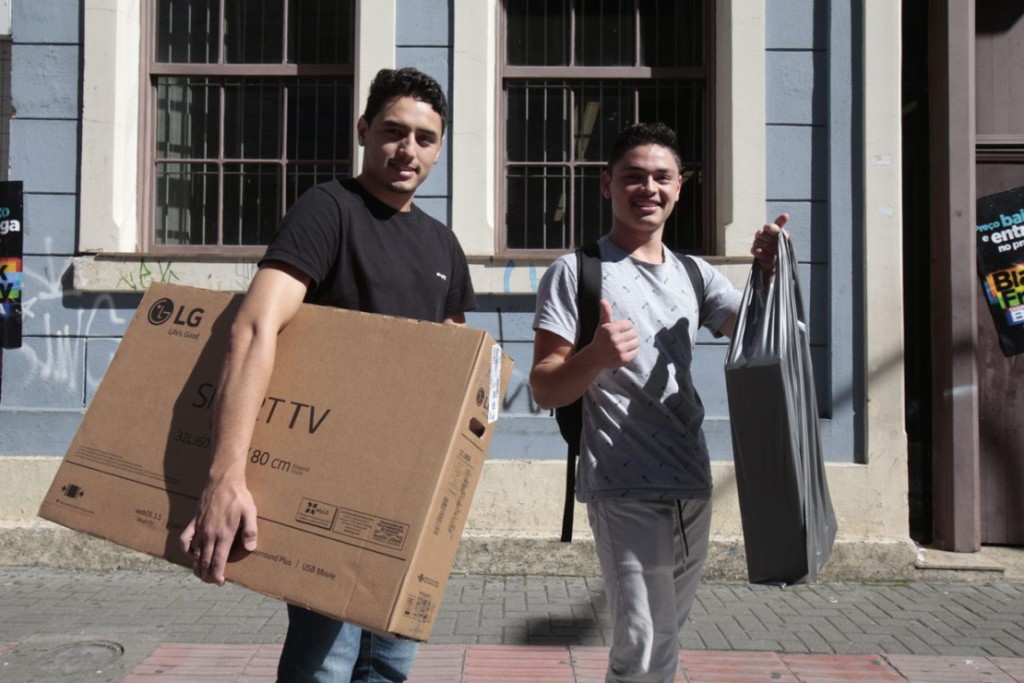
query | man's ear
(361,127)
(606,182)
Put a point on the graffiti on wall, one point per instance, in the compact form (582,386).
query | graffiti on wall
(144,276)
(64,320)
(520,395)
(510,277)
(512,269)
(138,276)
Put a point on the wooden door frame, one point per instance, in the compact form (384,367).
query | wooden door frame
(956,472)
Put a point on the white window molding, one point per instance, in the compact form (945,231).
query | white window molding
(474,118)
(376,30)
(110,126)
(740,156)
(111,86)
(739,145)
(5,18)
(882,208)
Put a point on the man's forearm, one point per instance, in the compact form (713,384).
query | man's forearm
(558,383)
(243,385)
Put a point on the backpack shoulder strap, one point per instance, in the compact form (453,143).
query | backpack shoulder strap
(588,295)
(570,417)
(697,280)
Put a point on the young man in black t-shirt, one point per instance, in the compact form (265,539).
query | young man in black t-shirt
(360,244)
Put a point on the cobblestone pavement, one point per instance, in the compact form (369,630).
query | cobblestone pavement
(61,625)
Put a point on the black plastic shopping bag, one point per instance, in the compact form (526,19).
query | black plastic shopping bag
(789,525)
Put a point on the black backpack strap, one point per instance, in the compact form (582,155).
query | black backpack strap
(569,506)
(697,280)
(588,298)
(570,417)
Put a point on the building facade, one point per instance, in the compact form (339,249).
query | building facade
(161,141)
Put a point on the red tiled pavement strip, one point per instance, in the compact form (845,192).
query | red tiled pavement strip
(172,663)
(1013,667)
(439,663)
(577,664)
(957,669)
(833,668)
(733,667)
(590,664)
(529,664)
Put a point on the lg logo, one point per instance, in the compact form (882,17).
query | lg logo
(165,309)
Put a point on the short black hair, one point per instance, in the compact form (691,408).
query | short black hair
(390,84)
(640,134)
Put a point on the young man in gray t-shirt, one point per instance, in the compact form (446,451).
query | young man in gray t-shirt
(644,469)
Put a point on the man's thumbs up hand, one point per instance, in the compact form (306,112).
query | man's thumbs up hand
(615,341)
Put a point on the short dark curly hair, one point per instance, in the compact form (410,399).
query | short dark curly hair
(640,134)
(390,84)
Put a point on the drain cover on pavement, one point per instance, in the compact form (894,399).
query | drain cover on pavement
(79,657)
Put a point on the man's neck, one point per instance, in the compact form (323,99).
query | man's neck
(641,245)
(396,200)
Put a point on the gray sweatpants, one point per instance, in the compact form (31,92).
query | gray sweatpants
(651,554)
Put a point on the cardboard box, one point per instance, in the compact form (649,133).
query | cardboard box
(367,450)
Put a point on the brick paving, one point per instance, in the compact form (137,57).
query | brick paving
(177,663)
(143,627)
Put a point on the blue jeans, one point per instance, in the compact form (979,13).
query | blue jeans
(319,649)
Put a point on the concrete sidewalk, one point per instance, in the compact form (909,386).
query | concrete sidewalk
(164,627)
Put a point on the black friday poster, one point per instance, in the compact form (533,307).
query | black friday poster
(1000,231)
(11,275)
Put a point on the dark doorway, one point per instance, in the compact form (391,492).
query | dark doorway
(917,267)
(999,27)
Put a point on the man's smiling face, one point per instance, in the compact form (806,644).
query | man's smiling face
(644,187)
(401,145)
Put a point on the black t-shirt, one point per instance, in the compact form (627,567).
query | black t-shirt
(363,255)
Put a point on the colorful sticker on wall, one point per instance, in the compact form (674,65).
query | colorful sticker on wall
(11,272)
(1000,231)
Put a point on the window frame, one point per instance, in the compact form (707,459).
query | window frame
(739,143)
(705,75)
(152,71)
(109,197)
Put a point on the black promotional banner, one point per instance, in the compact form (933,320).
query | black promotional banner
(11,274)
(1000,232)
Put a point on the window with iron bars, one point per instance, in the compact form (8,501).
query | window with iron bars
(576,72)
(249,104)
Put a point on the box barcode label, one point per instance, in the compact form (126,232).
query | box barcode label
(419,607)
(492,404)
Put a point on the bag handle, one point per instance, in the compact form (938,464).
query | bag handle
(784,290)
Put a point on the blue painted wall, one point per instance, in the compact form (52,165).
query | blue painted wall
(71,336)
(810,114)
(811,86)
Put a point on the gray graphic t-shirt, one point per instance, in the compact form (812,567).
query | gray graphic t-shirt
(642,434)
